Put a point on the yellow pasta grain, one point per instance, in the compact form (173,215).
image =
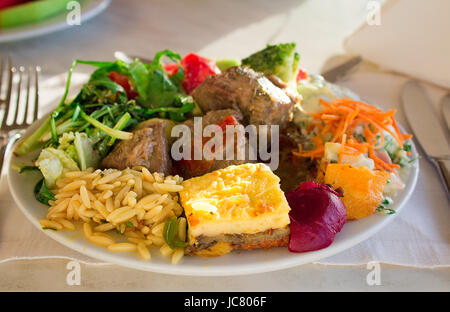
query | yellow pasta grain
(87,230)
(101,240)
(158,229)
(109,204)
(178,254)
(104,227)
(66,223)
(50,224)
(182,229)
(73,185)
(122,247)
(85,196)
(146,175)
(166,250)
(156,240)
(110,177)
(143,251)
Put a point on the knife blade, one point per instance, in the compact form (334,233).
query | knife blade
(427,129)
(445,106)
(423,120)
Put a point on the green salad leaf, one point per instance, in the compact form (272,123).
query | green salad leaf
(42,193)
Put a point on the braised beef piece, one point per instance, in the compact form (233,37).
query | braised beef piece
(192,168)
(148,148)
(260,101)
(216,117)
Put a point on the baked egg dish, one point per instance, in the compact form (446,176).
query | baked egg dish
(238,207)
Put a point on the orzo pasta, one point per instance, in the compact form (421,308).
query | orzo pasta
(132,202)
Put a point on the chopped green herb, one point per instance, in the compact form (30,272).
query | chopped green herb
(129,224)
(407,147)
(48,228)
(382,208)
(385,210)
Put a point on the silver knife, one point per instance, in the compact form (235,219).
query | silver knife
(445,107)
(427,128)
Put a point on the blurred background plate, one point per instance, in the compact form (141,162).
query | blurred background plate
(37,18)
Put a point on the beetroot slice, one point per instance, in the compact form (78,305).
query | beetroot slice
(317,215)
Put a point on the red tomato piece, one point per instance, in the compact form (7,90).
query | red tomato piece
(301,75)
(196,69)
(123,81)
(171,69)
(227,121)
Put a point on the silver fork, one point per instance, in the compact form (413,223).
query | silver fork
(11,132)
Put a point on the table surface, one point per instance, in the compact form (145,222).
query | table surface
(216,29)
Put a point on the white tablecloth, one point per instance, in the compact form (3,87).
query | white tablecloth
(419,235)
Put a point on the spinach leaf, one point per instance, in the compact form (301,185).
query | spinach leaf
(162,89)
(42,193)
(141,76)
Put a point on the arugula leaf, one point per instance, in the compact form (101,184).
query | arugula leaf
(42,193)
(181,106)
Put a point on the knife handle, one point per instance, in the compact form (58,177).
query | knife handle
(443,165)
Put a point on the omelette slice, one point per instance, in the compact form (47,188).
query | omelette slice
(239,207)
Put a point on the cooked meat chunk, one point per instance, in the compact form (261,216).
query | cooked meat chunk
(292,170)
(216,117)
(197,167)
(148,148)
(260,101)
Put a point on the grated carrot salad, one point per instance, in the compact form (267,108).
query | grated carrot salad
(340,118)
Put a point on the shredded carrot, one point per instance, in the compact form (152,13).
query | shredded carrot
(341,117)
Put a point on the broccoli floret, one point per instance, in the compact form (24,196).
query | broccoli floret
(280,60)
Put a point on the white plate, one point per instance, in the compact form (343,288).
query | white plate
(235,263)
(89,9)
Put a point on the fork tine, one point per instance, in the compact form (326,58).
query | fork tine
(1,73)
(11,71)
(27,99)
(36,93)
(19,89)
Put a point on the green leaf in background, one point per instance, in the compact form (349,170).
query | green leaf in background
(31,12)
